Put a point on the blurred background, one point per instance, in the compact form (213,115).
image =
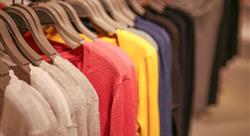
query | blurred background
(230,117)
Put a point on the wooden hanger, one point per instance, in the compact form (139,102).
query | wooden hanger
(119,8)
(157,5)
(47,14)
(4,76)
(76,20)
(10,48)
(125,9)
(62,14)
(66,20)
(99,10)
(44,18)
(84,10)
(135,5)
(94,8)
(33,57)
(33,14)
(115,13)
(97,6)
(20,15)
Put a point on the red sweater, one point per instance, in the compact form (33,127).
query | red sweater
(129,86)
(112,81)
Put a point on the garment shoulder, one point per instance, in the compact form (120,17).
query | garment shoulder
(75,74)
(138,43)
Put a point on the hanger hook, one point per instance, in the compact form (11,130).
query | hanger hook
(14,2)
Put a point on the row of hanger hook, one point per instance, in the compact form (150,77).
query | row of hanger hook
(22,1)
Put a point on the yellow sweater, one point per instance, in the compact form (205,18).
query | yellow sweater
(144,56)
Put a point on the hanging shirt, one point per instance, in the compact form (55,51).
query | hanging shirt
(25,111)
(128,84)
(146,64)
(226,46)
(76,99)
(93,119)
(177,78)
(53,94)
(207,16)
(81,80)
(106,76)
(165,58)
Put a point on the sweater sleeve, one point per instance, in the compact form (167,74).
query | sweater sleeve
(142,113)
(123,111)
(117,116)
(153,104)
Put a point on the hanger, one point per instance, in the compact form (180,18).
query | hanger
(99,9)
(11,49)
(34,57)
(4,76)
(33,14)
(47,15)
(91,5)
(157,5)
(125,9)
(20,15)
(76,20)
(72,44)
(135,5)
(65,20)
(120,9)
(111,7)
(84,10)
(62,14)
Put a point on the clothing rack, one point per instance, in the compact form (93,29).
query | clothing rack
(111,67)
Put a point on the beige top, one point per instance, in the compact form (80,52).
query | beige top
(77,98)
(25,111)
(93,120)
(53,94)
